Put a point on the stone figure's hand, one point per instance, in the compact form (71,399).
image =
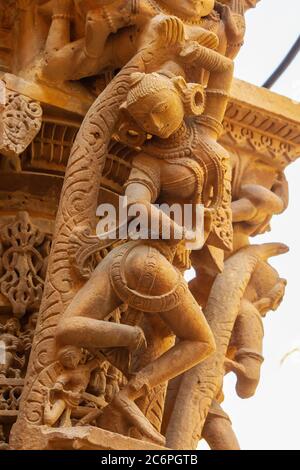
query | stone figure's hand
(58,386)
(264,200)
(114,16)
(25,4)
(194,240)
(273,300)
(234,366)
(171,30)
(233,17)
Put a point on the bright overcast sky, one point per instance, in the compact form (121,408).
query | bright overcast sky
(271,419)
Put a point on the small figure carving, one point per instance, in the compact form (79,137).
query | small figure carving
(253,207)
(3,443)
(69,388)
(265,292)
(256,205)
(14,350)
(99,50)
(120,277)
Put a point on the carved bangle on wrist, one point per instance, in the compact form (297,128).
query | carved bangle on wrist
(62,16)
(109,21)
(216,91)
(235,44)
(211,123)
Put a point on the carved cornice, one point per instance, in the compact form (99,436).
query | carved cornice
(263,123)
(257,121)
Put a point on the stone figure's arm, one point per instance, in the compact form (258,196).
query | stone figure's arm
(281,189)
(142,189)
(233,18)
(220,78)
(243,210)
(62,380)
(52,411)
(25,36)
(256,200)
(247,337)
(66,60)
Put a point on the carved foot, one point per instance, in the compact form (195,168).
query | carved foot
(137,418)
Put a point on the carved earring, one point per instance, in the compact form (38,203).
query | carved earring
(136,77)
(194,99)
(127,131)
(192,95)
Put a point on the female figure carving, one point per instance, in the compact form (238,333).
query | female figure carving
(142,273)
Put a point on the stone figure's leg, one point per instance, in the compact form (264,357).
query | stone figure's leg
(66,418)
(219,434)
(53,412)
(148,271)
(195,344)
(83,322)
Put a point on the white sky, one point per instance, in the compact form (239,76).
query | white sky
(271,419)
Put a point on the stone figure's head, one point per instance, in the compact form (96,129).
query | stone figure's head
(277,294)
(32,321)
(12,326)
(158,104)
(69,356)
(191,8)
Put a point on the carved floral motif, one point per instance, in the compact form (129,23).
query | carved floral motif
(24,252)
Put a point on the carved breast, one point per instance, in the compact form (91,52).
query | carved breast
(178,182)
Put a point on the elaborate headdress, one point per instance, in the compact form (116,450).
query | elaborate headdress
(191,94)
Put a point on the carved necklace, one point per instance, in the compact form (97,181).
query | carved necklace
(198,21)
(177,145)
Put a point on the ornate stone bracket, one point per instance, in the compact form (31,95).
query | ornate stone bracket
(21,120)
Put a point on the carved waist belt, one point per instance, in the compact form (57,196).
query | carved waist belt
(136,300)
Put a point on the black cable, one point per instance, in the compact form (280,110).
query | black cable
(284,65)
